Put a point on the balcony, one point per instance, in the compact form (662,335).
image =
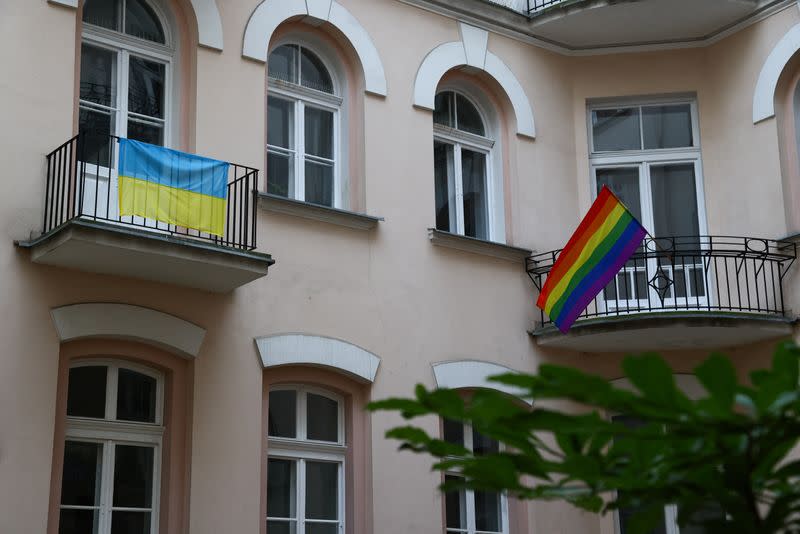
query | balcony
(583,25)
(702,292)
(82,228)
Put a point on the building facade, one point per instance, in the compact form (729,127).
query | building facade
(403,173)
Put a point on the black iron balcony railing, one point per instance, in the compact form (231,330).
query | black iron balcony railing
(527,7)
(693,273)
(82,183)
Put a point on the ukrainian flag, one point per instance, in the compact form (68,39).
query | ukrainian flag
(172,187)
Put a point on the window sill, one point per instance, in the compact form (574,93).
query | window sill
(477,246)
(316,212)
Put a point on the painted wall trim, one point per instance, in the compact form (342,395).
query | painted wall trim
(472,374)
(767,84)
(272,13)
(68,3)
(472,50)
(307,349)
(125,321)
(209,23)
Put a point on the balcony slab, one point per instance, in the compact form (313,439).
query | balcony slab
(666,331)
(105,248)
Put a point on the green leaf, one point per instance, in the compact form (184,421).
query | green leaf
(719,378)
(653,378)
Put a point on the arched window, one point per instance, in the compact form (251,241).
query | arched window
(470,511)
(303,145)
(126,58)
(305,468)
(462,148)
(112,450)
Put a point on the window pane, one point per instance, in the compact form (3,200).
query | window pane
(283,414)
(280,123)
(483,445)
(130,522)
(616,129)
(455,504)
(319,132)
(445,190)
(142,22)
(146,132)
(103,13)
(323,418)
(95,128)
(78,521)
(487,511)
(133,476)
(86,392)
(443,109)
(98,75)
(667,126)
(623,182)
(282,63)
(313,73)
(453,431)
(146,87)
(322,490)
(281,527)
(625,515)
(674,201)
(468,118)
(136,397)
(476,206)
(80,480)
(322,528)
(280,174)
(319,183)
(709,511)
(281,488)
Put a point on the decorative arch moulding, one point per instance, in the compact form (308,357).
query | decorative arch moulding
(473,374)
(767,84)
(318,351)
(209,22)
(125,321)
(272,13)
(473,51)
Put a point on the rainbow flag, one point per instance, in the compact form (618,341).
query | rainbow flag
(172,187)
(604,241)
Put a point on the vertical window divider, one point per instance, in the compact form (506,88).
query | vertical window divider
(459,188)
(300,140)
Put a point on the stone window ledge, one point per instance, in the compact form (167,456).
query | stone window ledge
(316,212)
(478,246)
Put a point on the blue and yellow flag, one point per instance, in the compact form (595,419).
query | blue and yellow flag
(172,187)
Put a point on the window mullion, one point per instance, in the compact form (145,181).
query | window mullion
(301,496)
(107,486)
(112,379)
(122,93)
(300,167)
(469,496)
(458,183)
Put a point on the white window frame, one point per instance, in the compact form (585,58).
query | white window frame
(110,432)
(642,160)
(301,450)
(459,139)
(469,495)
(302,97)
(124,46)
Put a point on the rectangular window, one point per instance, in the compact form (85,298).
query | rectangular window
(469,511)
(648,154)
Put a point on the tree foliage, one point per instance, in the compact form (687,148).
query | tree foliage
(728,450)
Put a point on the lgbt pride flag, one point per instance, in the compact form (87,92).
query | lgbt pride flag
(604,241)
(172,187)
